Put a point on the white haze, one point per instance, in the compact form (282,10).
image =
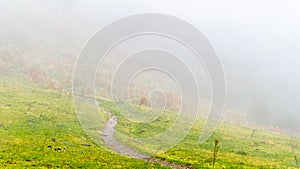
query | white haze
(257,42)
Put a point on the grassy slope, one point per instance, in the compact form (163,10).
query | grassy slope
(26,134)
(237,149)
(38,128)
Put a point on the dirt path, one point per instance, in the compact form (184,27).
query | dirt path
(117,146)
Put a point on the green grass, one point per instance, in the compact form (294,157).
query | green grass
(39,129)
(237,149)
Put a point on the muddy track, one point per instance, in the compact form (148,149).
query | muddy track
(109,139)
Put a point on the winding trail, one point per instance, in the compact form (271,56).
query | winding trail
(110,140)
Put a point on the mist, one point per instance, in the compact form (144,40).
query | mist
(257,42)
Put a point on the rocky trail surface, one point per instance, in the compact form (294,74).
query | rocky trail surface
(110,140)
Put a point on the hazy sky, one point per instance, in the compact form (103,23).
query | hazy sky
(257,41)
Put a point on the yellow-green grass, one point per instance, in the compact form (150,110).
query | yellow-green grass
(39,129)
(237,148)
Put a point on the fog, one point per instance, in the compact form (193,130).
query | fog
(257,42)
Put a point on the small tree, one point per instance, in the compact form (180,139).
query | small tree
(143,101)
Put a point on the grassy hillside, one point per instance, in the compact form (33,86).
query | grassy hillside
(239,147)
(38,128)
